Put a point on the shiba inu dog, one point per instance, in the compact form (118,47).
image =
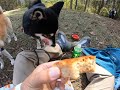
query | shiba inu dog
(6,33)
(39,21)
(6,30)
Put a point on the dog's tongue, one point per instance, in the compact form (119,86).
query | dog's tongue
(47,41)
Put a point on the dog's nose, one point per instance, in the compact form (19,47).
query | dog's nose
(53,45)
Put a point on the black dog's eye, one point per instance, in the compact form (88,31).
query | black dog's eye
(37,15)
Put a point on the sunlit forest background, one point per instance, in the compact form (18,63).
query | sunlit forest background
(84,17)
(101,7)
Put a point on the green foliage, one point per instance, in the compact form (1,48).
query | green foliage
(118,8)
(8,4)
(91,10)
(67,4)
(95,3)
(92,5)
(104,12)
(49,2)
(81,7)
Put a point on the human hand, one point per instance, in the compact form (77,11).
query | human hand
(44,77)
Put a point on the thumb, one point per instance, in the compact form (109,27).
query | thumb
(54,73)
(49,75)
(44,76)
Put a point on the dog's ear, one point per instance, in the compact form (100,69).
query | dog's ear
(33,2)
(57,7)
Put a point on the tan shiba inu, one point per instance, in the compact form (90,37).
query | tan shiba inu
(6,33)
(6,30)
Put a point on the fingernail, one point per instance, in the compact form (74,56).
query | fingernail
(54,73)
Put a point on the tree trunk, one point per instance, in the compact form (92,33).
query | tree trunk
(100,6)
(86,2)
(71,2)
(76,4)
(113,6)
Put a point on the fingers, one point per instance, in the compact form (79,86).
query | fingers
(44,73)
(53,84)
(44,66)
(54,73)
(61,84)
(44,76)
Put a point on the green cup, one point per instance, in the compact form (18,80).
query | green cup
(77,52)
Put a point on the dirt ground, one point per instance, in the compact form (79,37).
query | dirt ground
(102,30)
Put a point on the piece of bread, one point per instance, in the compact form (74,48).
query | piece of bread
(71,68)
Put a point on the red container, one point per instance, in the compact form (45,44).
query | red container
(75,37)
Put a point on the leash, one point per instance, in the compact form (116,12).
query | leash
(38,55)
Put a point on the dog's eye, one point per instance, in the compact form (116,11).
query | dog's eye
(37,15)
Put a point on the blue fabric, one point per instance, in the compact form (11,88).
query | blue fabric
(7,87)
(108,58)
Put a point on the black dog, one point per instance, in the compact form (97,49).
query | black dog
(112,13)
(41,20)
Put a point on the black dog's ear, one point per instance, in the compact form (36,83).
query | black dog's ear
(33,2)
(57,7)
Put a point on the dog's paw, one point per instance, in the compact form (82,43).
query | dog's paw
(1,65)
(9,40)
(12,61)
(1,43)
(15,38)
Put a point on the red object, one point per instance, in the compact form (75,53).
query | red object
(75,37)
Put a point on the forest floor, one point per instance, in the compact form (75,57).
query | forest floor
(102,30)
